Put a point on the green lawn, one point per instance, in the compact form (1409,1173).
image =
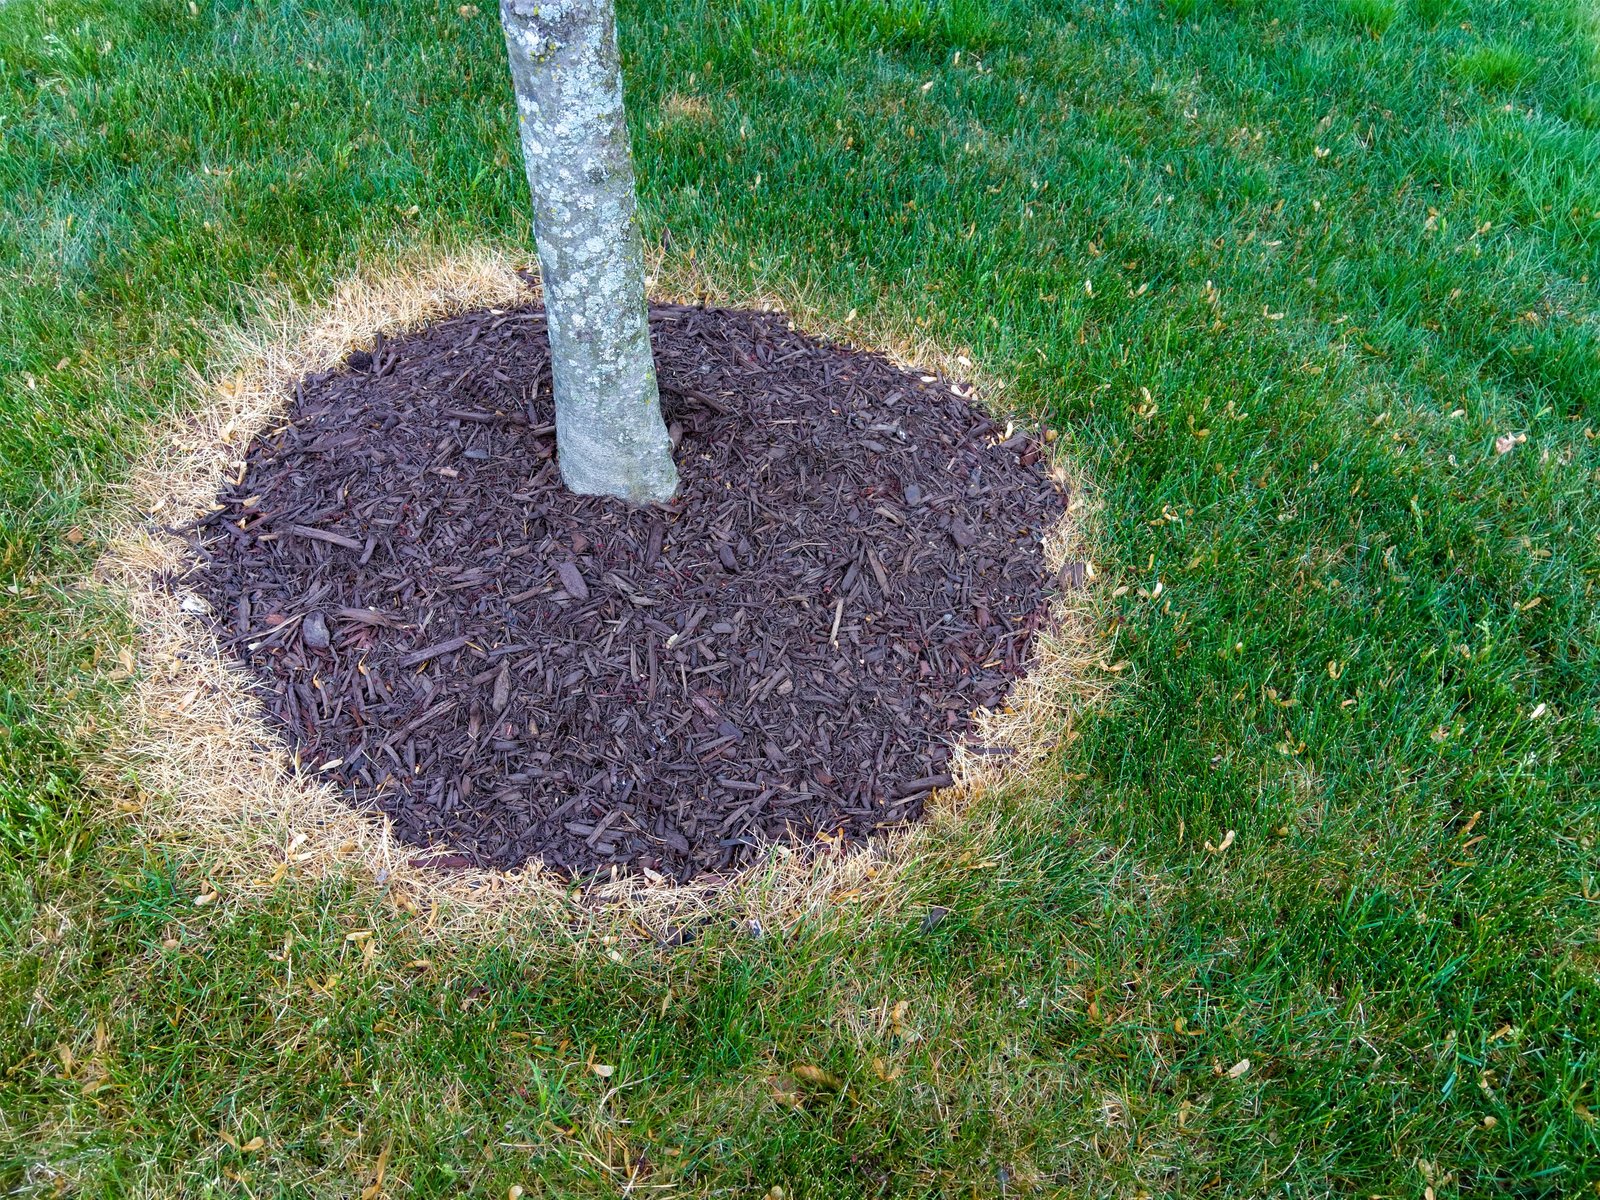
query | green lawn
(1282,274)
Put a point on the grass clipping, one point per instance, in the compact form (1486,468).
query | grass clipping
(209,776)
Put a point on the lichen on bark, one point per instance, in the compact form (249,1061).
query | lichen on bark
(610,436)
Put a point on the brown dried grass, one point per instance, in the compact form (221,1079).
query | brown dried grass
(208,778)
(680,106)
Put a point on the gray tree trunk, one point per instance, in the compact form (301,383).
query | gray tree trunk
(610,437)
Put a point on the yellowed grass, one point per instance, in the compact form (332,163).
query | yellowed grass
(681,107)
(204,774)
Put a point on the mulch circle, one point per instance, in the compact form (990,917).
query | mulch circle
(788,651)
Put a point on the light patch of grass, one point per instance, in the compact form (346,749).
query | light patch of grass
(1496,67)
(1372,16)
(40,799)
(685,107)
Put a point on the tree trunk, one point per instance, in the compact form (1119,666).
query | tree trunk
(610,437)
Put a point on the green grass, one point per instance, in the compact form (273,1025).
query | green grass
(1343,248)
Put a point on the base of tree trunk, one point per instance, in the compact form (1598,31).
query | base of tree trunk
(789,651)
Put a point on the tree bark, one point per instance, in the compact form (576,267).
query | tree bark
(610,436)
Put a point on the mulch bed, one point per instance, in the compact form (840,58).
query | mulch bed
(786,652)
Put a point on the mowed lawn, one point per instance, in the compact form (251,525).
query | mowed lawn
(1311,292)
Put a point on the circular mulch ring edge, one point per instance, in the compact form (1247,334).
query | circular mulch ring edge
(206,774)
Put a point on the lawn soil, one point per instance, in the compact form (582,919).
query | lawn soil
(788,651)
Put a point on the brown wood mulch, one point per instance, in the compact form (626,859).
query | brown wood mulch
(785,652)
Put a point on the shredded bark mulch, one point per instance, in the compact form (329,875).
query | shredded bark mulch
(786,652)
